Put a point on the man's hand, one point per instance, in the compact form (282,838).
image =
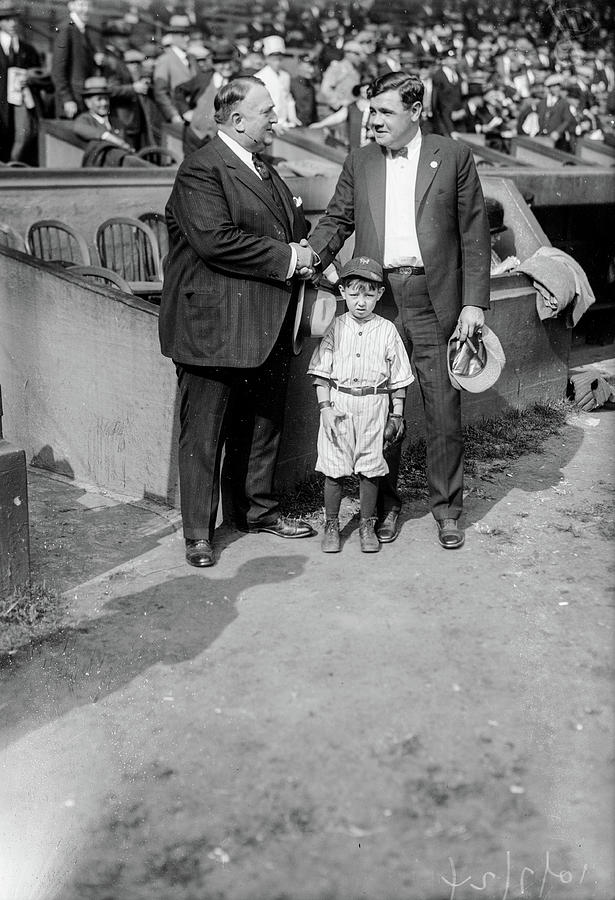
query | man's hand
(470,319)
(330,417)
(70,109)
(141,86)
(305,259)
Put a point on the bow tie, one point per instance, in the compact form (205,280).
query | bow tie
(260,167)
(403,152)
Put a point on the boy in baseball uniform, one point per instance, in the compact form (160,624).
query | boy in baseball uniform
(361,371)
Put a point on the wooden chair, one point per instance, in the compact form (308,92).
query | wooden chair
(102,276)
(9,237)
(160,156)
(55,241)
(158,224)
(129,248)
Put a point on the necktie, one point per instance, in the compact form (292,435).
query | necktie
(403,152)
(260,167)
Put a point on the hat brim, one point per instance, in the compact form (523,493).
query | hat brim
(315,311)
(487,376)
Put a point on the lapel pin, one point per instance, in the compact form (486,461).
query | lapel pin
(433,164)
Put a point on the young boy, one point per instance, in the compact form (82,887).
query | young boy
(360,368)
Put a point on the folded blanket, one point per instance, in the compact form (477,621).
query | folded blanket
(560,282)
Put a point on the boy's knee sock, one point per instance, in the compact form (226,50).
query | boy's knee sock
(368,496)
(333,497)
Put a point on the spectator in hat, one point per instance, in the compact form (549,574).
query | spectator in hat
(142,67)
(187,94)
(73,59)
(124,90)
(389,57)
(18,122)
(201,125)
(342,76)
(553,112)
(446,99)
(527,113)
(495,215)
(95,124)
(277,81)
(173,67)
(303,89)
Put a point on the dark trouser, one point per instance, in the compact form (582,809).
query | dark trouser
(241,410)
(417,321)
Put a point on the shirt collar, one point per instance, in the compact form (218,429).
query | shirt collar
(413,147)
(243,154)
(77,21)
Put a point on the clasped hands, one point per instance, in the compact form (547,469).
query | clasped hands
(307,259)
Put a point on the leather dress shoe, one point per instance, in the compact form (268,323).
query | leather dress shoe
(285,527)
(387,529)
(199,552)
(450,535)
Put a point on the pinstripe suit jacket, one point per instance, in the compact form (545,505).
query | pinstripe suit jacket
(451,221)
(225,289)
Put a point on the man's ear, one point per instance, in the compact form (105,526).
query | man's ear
(237,121)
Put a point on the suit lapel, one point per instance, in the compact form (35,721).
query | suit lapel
(252,182)
(429,162)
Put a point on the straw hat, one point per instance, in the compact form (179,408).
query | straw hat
(475,365)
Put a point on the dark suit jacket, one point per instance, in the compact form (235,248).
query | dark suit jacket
(26,58)
(553,118)
(445,98)
(73,62)
(88,128)
(451,221)
(225,290)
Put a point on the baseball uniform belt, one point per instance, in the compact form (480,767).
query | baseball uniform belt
(363,391)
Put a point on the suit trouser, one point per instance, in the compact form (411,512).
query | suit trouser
(241,410)
(417,321)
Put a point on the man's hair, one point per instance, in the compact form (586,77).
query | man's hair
(232,93)
(407,84)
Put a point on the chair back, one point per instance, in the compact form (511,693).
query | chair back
(158,224)
(10,237)
(129,248)
(159,156)
(55,241)
(101,276)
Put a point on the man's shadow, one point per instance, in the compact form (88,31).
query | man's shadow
(168,623)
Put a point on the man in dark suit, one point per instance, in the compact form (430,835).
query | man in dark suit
(447,99)
(17,108)
(73,60)
(226,317)
(424,218)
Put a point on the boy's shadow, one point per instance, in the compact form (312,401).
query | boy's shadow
(168,623)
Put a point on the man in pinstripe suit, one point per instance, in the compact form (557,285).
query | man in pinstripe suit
(415,204)
(237,241)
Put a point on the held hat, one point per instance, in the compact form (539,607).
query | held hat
(476,364)
(316,309)
(362,267)
(273,45)
(95,86)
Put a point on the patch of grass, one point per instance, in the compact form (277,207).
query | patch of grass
(487,442)
(29,615)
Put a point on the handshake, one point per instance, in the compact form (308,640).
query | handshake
(307,259)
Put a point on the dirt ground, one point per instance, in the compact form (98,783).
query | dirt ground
(414,725)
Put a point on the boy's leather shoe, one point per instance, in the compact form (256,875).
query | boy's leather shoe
(199,553)
(331,536)
(367,536)
(285,527)
(388,528)
(450,535)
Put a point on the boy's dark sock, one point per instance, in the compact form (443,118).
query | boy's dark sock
(368,495)
(333,497)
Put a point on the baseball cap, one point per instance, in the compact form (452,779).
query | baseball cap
(362,267)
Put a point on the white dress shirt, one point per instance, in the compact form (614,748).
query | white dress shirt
(401,244)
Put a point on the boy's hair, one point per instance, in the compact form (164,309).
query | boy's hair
(351,280)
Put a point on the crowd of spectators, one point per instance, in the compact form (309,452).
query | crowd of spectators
(496,69)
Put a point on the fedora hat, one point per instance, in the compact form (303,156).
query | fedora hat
(273,45)
(8,11)
(316,308)
(476,364)
(178,24)
(95,85)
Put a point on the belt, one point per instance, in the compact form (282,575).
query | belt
(406,270)
(364,391)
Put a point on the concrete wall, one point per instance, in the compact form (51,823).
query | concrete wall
(87,393)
